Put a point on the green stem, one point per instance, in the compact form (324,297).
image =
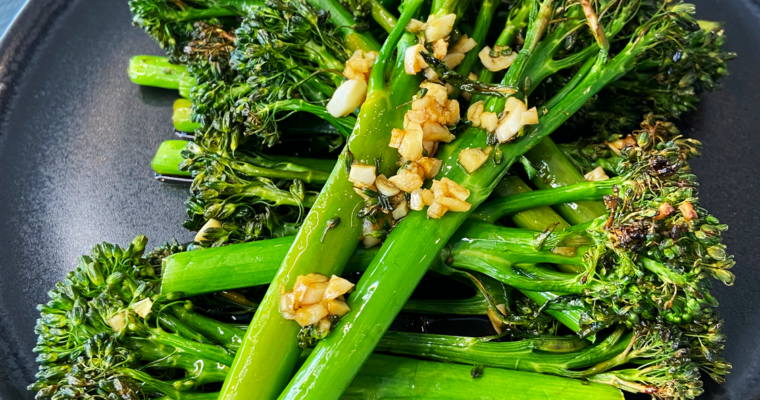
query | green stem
(155,71)
(555,170)
(555,355)
(270,337)
(580,192)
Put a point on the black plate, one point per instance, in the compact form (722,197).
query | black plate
(77,137)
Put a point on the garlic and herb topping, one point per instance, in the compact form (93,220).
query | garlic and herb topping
(316,302)
(352,92)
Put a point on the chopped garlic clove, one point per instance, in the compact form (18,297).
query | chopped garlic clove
(511,124)
(489,121)
(337,287)
(413,61)
(411,145)
(337,307)
(310,315)
(529,117)
(455,190)
(436,210)
(201,235)
(664,211)
(324,326)
(597,174)
(287,302)
(142,307)
(415,200)
(498,63)
(385,186)
(436,91)
(472,159)
(463,45)
(453,60)
(430,165)
(687,209)
(474,112)
(370,241)
(397,135)
(430,146)
(439,28)
(117,322)
(407,180)
(400,211)
(313,293)
(435,132)
(453,204)
(415,26)
(440,48)
(349,95)
(362,175)
(427,197)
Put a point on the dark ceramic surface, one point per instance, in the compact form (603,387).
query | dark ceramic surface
(76,139)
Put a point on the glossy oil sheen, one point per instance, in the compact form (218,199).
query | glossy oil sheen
(77,139)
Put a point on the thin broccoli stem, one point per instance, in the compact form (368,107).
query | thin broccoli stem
(270,336)
(219,332)
(492,210)
(382,16)
(555,170)
(553,355)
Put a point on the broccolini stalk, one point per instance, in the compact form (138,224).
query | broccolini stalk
(398,268)
(270,336)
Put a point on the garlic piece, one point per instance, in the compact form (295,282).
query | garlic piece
(529,117)
(411,145)
(440,48)
(436,210)
(595,175)
(472,159)
(453,204)
(495,64)
(142,307)
(385,187)
(337,287)
(310,315)
(430,165)
(439,28)
(413,61)
(362,175)
(407,180)
(463,45)
(337,307)
(452,60)
(201,235)
(400,211)
(349,95)
(512,123)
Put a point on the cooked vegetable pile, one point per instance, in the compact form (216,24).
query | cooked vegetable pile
(343,155)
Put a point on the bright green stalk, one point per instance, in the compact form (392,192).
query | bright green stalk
(382,16)
(385,377)
(588,192)
(155,71)
(270,337)
(404,378)
(555,170)
(415,242)
(168,158)
(182,116)
(557,356)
